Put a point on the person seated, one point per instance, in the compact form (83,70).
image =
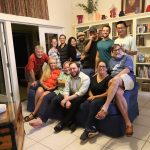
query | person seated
(48,83)
(33,70)
(43,114)
(121,69)
(97,96)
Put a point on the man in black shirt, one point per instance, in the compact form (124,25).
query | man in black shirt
(91,49)
(64,56)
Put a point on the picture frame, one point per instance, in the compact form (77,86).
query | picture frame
(133,6)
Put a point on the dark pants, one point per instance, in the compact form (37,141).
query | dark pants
(46,103)
(69,114)
(92,108)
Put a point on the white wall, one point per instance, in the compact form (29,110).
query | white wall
(104,7)
(60,13)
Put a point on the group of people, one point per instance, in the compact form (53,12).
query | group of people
(95,71)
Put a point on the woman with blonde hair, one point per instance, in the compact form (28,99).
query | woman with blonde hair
(48,83)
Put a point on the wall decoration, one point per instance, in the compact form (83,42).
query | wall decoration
(133,6)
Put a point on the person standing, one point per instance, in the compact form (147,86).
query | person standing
(126,41)
(104,46)
(62,49)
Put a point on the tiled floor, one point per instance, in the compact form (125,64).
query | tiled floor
(45,139)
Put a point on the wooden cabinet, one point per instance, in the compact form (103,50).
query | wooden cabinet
(11,131)
(139,28)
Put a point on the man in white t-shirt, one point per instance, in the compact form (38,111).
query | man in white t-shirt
(126,41)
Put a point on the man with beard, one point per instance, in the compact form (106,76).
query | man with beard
(74,94)
(81,41)
(104,46)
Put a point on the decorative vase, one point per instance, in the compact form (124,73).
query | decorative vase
(80,19)
(90,17)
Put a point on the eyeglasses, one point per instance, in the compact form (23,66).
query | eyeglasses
(115,50)
(102,66)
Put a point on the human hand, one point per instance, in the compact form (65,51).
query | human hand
(91,98)
(63,103)
(68,105)
(34,83)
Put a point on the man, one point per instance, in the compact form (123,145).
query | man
(81,41)
(126,41)
(91,49)
(121,68)
(64,55)
(104,46)
(33,69)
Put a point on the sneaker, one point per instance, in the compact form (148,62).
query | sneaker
(88,134)
(59,127)
(84,136)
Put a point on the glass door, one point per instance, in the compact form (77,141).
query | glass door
(46,34)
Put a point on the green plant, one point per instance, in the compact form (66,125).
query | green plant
(91,6)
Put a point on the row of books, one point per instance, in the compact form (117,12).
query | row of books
(143,28)
(143,71)
(140,40)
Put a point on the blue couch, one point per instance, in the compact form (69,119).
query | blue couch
(113,125)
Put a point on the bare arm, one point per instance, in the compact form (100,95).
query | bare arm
(96,60)
(32,75)
(88,45)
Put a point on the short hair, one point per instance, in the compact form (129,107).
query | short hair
(74,62)
(39,47)
(121,22)
(62,35)
(114,46)
(107,27)
(66,62)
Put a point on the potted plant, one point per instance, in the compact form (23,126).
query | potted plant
(90,7)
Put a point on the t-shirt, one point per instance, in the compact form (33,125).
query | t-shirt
(128,43)
(99,87)
(52,79)
(104,49)
(35,63)
(119,64)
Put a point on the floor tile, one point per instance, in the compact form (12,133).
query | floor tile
(78,131)
(102,139)
(59,141)
(145,111)
(146,146)
(125,143)
(27,143)
(78,145)
(39,133)
(147,105)
(142,120)
(38,147)
(141,132)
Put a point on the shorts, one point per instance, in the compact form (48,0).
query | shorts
(128,82)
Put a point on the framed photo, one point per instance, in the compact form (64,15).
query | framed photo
(133,6)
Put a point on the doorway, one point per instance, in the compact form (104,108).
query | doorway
(25,37)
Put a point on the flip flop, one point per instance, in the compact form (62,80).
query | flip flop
(29,117)
(101,114)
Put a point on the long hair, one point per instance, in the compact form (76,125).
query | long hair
(47,71)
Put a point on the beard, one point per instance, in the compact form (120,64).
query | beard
(75,75)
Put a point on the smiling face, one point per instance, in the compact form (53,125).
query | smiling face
(73,42)
(39,52)
(122,30)
(74,69)
(62,39)
(105,32)
(102,68)
(52,63)
(66,68)
(117,51)
(54,43)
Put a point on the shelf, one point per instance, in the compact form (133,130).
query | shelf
(139,78)
(147,33)
(143,47)
(142,63)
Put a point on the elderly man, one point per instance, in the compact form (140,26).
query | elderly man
(33,69)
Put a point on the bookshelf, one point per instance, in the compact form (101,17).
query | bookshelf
(139,28)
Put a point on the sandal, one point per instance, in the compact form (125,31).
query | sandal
(29,117)
(129,130)
(101,114)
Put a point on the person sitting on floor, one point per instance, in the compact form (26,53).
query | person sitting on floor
(97,96)
(48,83)
(43,114)
(121,68)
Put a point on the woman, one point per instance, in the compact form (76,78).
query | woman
(74,54)
(53,52)
(97,96)
(48,83)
